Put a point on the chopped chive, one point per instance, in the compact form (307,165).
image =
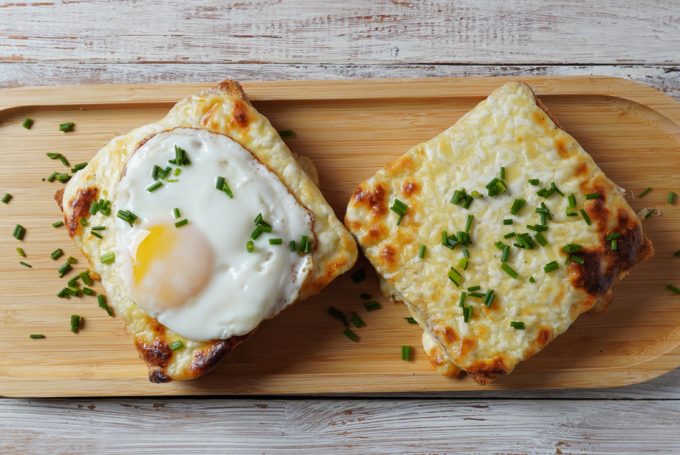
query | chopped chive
(672,197)
(540,239)
(64,294)
(496,187)
(176,345)
(72,260)
(645,192)
(127,216)
(372,305)
(275,241)
(410,320)
(36,336)
(101,301)
(66,127)
(505,255)
(156,172)
(461,300)
(477,295)
(356,320)
(177,171)
(19,232)
(73,282)
(64,269)
(181,223)
(551,267)
(517,206)
(673,289)
(28,123)
(83,222)
(466,253)
(577,259)
(474,288)
(78,167)
(476,194)
(88,291)
(613,236)
(531,279)
(489,298)
(677,253)
(407,353)
(365,296)
(507,222)
(250,246)
(467,314)
(455,277)
(468,224)
(572,248)
(181,158)
(614,245)
(98,228)
(421,251)
(61,177)
(501,174)
(292,246)
(60,157)
(56,254)
(400,209)
(76,322)
(463,263)
(154,186)
(6,198)
(176,213)
(287,133)
(545,192)
(537,227)
(517,325)
(21,252)
(534,182)
(509,270)
(499,245)
(108,258)
(339,315)
(85,276)
(572,201)
(553,186)
(509,235)
(26,264)
(94,207)
(351,335)
(591,196)
(585,216)
(222,185)
(359,276)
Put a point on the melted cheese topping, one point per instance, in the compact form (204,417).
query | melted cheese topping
(199,279)
(506,130)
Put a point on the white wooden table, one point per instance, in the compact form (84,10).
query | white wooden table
(51,42)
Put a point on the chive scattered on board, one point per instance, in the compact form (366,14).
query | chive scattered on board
(359,276)
(101,301)
(407,353)
(6,198)
(67,127)
(372,305)
(57,224)
(351,335)
(64,269)
(645,192)
(287,133)
(21,252)
(76,323)
(673,289)
(37,336)
(28,123)
(19,232)
(410,320)
(60,157)
(56,254)
(356,320)
(672,197)
(339,315)
(26,264)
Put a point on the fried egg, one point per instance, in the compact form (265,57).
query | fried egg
(199,279)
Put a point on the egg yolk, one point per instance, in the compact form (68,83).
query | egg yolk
(171,266)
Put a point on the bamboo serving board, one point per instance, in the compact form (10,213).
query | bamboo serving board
(350,129)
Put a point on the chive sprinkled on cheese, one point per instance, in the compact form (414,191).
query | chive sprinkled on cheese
(505,255)
(534,182)
(572,248)
(176,345)
(474,288)
(28,123)
(571,201)
(517,325)
(463,263)
(250,246)
(468,223)
(127,216)
(496,187)
(400,209)
(507,222)
(407,353)
(489,298)
(455,277)
(467,314)
(540,239)
(517,206)
(181,223)
(6,198)
(154,186)
(78,167)
(181,157)
(509,270)
(577,259)
(645,192)
(292,246)
(67,127)
(275,241)
(421,251)
(501,174)
(551,267)
(585,216)
(461,300)
(108,258)
(356,320)
(591,196)
(351,335)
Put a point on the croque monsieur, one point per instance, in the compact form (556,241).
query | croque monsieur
(497,234)
(201,226)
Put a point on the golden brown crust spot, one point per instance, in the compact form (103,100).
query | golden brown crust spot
(240,115)
(207,358)
(581,170)
(400,166)
(561,146)
(373,198)
(488,371)
(80,208)
(389,256)
(543,337)
(410,187)
(231,88)
(467,345)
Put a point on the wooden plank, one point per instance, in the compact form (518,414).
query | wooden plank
(664,78)
(352,31)
(614,349)
(339,426)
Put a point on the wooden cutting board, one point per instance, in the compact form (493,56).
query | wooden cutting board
(350,129)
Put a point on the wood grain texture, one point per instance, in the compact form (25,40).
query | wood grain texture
(330,121)
(333,426)
(351,31)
